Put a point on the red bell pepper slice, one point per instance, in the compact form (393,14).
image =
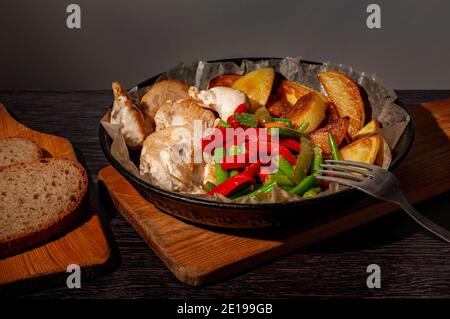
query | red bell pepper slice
(232,184)
(241,108)
(291,144)
(252,169)
(272,147)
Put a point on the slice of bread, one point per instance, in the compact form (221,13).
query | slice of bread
(15,150)
(38,200)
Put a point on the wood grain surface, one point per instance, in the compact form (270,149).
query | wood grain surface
(85,244)
(413,263)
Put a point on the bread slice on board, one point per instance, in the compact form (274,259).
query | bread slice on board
(38,200)
(15,150)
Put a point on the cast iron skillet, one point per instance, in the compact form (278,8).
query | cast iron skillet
(236,215)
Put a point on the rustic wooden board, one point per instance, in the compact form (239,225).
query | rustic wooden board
(87,245)
(199,256)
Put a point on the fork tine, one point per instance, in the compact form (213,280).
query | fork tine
(342,181)
(348,168)
(354,177)
(357,164)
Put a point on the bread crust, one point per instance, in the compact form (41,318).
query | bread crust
(26,240)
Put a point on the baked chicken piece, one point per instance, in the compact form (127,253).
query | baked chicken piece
(168,156)
(160,92)
(224,100)
(183,112)
(132,122)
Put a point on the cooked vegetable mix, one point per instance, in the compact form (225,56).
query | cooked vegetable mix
(269,134)
(296,129)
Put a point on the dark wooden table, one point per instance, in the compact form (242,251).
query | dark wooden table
(413,264)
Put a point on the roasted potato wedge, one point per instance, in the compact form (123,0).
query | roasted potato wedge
(310,109)
(278,108)
(370,128)
(224,80)
(257,85)
(364,150)
(338,128)
(292,91)
(384,155)
(346,96)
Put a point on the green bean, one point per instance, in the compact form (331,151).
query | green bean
(219,153)
(248,116)
(221,175)
(263,189)
(282,120)
(248,122)
(223,124)
(303,161)
(208,186)
(304,185)
(236,149)
(263,114)
(287,188)
(280,179)
(317,160)
(284,132)
(312,192)
(242,194)
(285,167)
(303,127)
(335,154)
(234,172)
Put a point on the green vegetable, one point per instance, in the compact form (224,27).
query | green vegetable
(221,175)
(335,154)
(304,185)
(281,180)
(241,194)
(248,116)
(263,114)
(245,120)
(219,153)
(284,132)
(287,188)
(249,122)
(236,149)
(312,192)
(317,160)
(223,124)
(303,127)
(234,172)
(303,161)
(263,189)
(208,186)
(285,167)
(282,120)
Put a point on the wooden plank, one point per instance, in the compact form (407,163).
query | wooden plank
(86,246)
(199,256)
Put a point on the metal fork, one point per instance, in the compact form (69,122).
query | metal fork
(379,183)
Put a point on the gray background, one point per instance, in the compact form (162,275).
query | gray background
(131,40)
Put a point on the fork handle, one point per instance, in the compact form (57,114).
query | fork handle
(425,222)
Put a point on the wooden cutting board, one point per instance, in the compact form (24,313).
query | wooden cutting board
(199,256)
(87,245)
